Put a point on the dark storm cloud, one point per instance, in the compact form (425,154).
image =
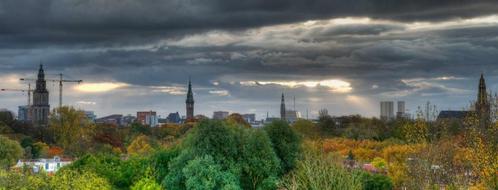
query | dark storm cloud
(153,45)
(118,22)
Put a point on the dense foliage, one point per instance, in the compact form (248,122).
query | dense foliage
(348,152)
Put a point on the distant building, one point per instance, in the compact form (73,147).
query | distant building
(387,110)
(47,165)
(23,113)
(174,118)
(453,115)
(220,115)
(292,116)
(90,115)
(401,109)
(116,119)
(282,108)
(147,118)
(41,107)
(189,103)
(250,118)
(271,119)
(128,119)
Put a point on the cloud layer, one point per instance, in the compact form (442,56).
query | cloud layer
(341,55)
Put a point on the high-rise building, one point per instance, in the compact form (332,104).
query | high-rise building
(482,105)
(220,115)
(23,113)
(282,108)
(41,106)
(387,110)
(401,110)
(190,102)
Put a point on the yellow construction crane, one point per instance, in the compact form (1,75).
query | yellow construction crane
(29,91)
(60,81)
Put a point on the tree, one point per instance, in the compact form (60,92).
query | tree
(69,127)
(237,119)
(285,143)
(55,151)
(260,164)
(10,152)
(146,183)
(306,129)
(204,173)
(140,146)
(39,149)
(68,179)
(243,157)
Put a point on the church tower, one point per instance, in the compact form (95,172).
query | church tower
(190,102)
(41,107)
(282,108)
(482,104)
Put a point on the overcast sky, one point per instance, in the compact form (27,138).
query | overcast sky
(342,55)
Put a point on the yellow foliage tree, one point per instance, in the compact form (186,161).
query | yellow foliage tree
(140,146)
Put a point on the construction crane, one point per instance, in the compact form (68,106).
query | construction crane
(21,90)
(60,81)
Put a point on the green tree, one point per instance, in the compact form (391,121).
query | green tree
(260,164)
(285,143)
(39,149)
(204,173)
(10,152)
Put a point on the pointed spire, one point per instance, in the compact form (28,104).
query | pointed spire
(482,94)
(190,95)
(282,108)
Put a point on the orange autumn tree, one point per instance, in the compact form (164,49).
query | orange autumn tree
(55,151)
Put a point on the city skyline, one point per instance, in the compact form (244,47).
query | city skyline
(343,56)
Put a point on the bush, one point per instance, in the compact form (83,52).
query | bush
(317,171)
(377,182)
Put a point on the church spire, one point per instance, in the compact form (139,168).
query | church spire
(482,96)
(482,104)
(190,101)
(282,108)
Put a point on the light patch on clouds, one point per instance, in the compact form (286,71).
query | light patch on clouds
(86,103)
(99,87)
(173,90)
(220,92)
(421,86)
(334,85)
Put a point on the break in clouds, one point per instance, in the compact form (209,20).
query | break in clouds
(345,56)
